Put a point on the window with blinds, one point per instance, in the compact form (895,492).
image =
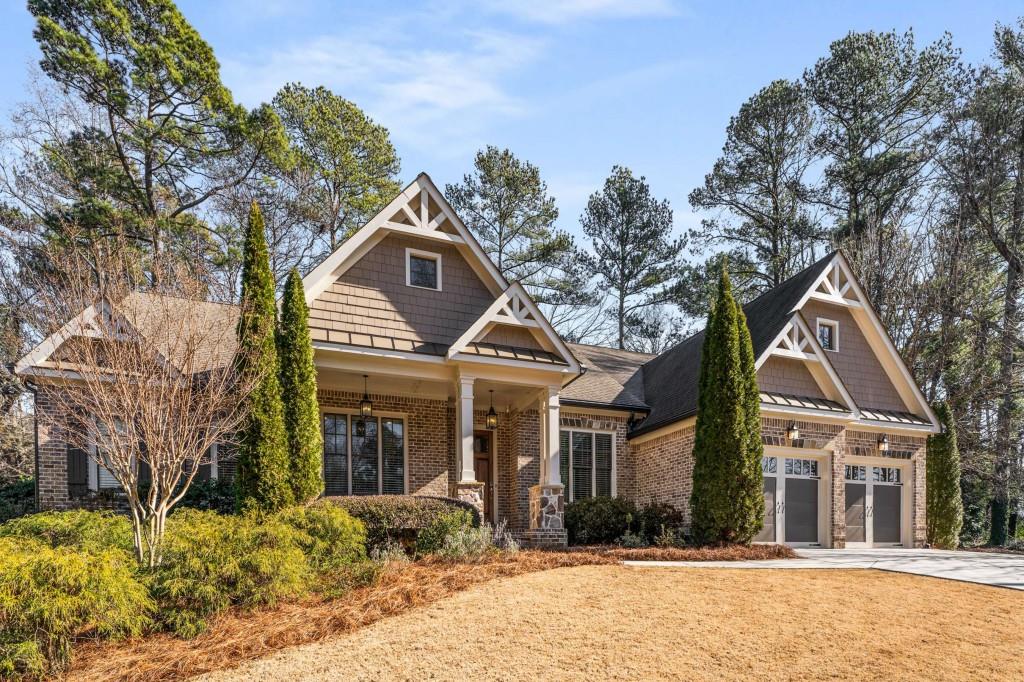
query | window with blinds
(587,463)
(363,456)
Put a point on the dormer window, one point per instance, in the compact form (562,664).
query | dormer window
(828,334)
(422,269)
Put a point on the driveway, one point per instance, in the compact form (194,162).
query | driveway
(1000,570)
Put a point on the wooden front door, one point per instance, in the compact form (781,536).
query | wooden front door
(483,467)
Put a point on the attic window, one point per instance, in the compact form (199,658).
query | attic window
(828,334)
(422,269)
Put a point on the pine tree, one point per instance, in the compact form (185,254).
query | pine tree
(262,478)
(298,392)
(726,503)
(944,505)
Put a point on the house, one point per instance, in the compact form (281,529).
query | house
(473,394)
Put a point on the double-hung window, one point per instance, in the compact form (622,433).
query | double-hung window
(363,455)
(587,460)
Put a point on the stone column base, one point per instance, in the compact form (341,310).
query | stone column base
(547,507)
(470,491)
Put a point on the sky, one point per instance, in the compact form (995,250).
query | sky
(573,86)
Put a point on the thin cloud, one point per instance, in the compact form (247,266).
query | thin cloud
(562,11)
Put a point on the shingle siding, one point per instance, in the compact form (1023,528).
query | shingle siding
(788,376)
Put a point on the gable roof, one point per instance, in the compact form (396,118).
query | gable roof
(671,379)
(611,377)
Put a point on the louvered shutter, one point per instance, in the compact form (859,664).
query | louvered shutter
(78,472)
(364,456)
(603,464)
(393,456)
(582,465)
(563,462)
(335,454)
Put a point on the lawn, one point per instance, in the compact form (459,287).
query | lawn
(616,622)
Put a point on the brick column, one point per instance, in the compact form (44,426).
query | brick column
(838,507)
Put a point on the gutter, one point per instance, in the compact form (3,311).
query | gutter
(605,406)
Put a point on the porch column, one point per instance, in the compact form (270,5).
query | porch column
(547,498)
(465,487)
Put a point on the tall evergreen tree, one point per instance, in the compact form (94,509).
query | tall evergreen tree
(298,392)
(263,472)
(945,510)
(727,499)
(635,255)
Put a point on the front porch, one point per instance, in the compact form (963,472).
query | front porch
(432,436)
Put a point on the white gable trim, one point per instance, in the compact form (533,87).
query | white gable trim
(842,288)
(796,341)
(76,326)
(513,307)
(378,227)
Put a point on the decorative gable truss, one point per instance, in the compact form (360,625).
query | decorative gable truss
(418,211)
(514,308)
(796,341)
(838,286)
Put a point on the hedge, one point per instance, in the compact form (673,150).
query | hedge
(398,519)
(17,499)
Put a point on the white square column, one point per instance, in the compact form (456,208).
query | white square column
(464,428)
(550,470)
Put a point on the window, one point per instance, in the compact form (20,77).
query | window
(802,467)
(856,473)
(363,456)
(885,474)
(587,463)
(423,269)
(769,465)
(828,334)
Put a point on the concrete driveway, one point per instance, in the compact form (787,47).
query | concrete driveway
(1000,570)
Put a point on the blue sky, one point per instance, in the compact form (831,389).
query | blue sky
(575,86)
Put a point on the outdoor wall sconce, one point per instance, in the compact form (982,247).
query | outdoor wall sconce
(365,405)
(793,433)
(492,417)
(883,443)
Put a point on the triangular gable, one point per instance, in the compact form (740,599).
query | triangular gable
(81,325)
(838,286)
(796,341)
(420,210)
(514,308)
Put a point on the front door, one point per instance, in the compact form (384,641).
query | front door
(482,467)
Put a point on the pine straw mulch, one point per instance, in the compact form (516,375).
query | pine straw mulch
(238,636)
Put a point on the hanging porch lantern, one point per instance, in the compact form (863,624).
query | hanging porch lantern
(793,433)
(883,443)
(365,405)
(492,417)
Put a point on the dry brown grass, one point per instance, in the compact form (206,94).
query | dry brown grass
(616,622)
(236,637)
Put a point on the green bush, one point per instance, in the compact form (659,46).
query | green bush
(431,540)
(17,499)
(328,535)
(631,540)
(398,519)
(658,518)
(467,542)
(51,595)
(212,562)
(598,520)
(80,529)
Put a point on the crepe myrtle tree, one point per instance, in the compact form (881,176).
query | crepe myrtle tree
(143,379)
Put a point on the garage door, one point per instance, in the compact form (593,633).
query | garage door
(801,510)
(874,505)
(791,500)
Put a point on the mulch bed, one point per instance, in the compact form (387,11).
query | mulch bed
(238,636)
(994,550)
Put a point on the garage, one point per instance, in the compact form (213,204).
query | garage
(874,506)
(792,500)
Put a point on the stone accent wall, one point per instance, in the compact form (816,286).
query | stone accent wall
(665,469)
(625,464)
(547,507)
(430,433)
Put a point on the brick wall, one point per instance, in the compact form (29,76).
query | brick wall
(526,460)
(430,433)
(53,463)
(664,466)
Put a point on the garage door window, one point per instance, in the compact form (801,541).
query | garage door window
(885,474)
(802,467)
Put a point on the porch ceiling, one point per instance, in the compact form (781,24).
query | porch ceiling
(505,395)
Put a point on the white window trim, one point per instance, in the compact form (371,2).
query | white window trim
(570,493)
(378,415)
(430,255)
(824,479)
(835,333)
(905,484)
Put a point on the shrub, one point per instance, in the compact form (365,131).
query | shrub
(943,498)
(212,562)
(431,540)
(389,553)
(670,538)
(632,540)
(80,529)
(598,520)
(503,538)
(50,595)
(17,499)
(467,542)
(328,535)
(391,519)
(657,518)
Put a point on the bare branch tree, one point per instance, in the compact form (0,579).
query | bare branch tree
(143,378)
